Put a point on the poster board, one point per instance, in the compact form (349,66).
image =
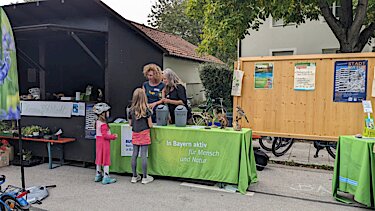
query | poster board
(285,112)
(263,75)
(304,76)
(90,119)
(46,109)
(350,81)
(237,82)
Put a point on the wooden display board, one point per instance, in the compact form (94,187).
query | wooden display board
(282,111)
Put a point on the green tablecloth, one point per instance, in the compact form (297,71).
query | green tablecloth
(188,152)
(354,171)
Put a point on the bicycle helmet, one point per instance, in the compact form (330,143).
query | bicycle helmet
(99,108)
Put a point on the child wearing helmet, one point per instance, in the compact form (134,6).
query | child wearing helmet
(103,138)
(140,120)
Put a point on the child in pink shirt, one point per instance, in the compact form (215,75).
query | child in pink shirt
(103,147)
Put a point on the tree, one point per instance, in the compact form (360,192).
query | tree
(216,80)
(226,21)
(170,16)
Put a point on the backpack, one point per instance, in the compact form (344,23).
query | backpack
(261,159)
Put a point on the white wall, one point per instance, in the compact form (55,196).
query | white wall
(187,70)
(308,38)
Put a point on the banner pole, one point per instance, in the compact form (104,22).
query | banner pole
(21,153)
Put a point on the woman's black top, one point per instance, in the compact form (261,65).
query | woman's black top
(178,93)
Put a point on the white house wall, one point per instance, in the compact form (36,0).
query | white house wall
(308,38)
(187,70)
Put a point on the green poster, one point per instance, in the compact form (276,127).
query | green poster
(263,75)
(9,94)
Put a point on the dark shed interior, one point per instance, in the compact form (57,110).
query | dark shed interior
(65,45)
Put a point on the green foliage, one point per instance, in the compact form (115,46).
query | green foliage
(226,21)
(170,16)
(216,80)
(29,130)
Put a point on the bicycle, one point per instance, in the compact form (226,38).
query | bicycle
(11,199)
(210,110)
(330,147)
(278,145)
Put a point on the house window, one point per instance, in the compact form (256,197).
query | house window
(336,11)
(283,53)
(329,50)
(280,22)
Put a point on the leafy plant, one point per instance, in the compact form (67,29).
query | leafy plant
(216,80)
(3,126)
(29,130)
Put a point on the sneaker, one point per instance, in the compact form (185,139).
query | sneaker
(148,179)
(98,178)
(136,179)
(108,180)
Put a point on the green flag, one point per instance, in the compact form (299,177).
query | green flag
(9,94)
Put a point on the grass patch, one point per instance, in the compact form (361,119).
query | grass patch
(292,163)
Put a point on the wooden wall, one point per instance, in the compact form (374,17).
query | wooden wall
(285,112)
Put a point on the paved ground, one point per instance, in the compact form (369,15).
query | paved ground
(279,188)
(303,152)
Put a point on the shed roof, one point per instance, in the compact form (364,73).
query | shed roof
(175,45)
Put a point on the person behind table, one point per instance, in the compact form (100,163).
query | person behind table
(175,93)
(154,87)
(103,138)
(140,120)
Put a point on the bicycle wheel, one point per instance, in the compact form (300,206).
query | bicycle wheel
(12,203)
(331,149)
(199,120)
(281,145)
(266,142)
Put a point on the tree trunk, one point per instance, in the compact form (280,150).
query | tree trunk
(349,29)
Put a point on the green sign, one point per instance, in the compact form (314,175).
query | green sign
(218,154)
(9,94)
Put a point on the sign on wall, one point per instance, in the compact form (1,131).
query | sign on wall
(263,75)
(91,117)
(304,76)
(350,81)
(78,109)
(237,82)
(46,109)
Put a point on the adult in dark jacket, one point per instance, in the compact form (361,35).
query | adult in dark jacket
(175,93)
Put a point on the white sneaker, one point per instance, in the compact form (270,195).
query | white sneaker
(136,179)
(148,179)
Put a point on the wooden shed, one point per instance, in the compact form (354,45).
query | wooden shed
(65,45)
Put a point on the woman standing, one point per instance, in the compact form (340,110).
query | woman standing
(175,93)
(154,87)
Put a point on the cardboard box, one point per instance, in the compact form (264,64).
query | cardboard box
(4,158)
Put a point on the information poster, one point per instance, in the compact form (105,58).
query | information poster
(350,81)
(90,130)
(263,75)
(237,82)
(126,141)
(78,109)
(46,108)
(304,76)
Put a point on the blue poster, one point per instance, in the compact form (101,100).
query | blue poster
(350,81)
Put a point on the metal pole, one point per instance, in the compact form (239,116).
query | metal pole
(21,153)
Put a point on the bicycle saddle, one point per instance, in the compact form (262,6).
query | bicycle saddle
(202,106)
(2,179)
